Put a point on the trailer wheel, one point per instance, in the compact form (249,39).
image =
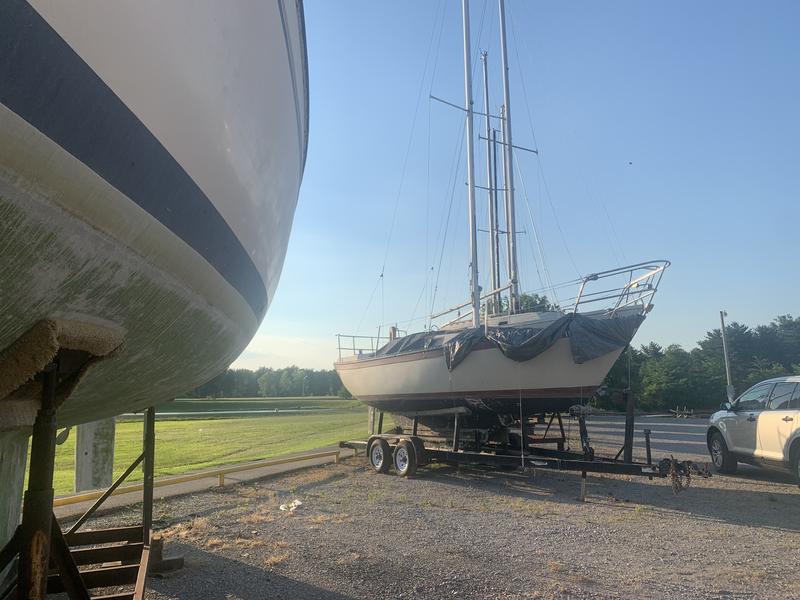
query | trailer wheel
(405,459)
(379,455)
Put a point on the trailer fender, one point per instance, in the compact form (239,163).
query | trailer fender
(419,450)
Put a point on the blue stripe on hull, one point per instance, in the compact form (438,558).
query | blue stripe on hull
(46,83)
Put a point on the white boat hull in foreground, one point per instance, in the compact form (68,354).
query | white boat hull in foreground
(151,155)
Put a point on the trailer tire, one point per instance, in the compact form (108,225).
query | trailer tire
(405,459)
(379,455)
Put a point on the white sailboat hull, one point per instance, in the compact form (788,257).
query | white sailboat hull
(422,381)
(560,365)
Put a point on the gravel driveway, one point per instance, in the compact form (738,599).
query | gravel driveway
(474,533)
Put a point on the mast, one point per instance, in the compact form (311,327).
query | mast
(475,291)
(495,240)
(509,168)
(490,186)
(511,303)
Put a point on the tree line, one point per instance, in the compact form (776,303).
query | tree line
(663,377)
(658,377)
(267,382)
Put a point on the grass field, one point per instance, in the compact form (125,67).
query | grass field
(257,404)
(189,445)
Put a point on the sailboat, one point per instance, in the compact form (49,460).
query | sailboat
(501,356)
(150,165)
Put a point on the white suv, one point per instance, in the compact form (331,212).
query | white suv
(761,427)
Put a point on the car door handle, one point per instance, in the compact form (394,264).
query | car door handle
(787,419)
(751,418)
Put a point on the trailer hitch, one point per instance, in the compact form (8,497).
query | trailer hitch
(681,472)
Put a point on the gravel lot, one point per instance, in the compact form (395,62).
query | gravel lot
(474,533)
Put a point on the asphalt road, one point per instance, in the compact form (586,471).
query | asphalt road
(683,438)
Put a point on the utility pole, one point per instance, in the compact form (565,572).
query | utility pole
(729,389)
(475,290)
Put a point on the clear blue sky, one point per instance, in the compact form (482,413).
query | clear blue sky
(665,130)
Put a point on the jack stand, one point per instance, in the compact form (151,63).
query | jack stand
(588,451)
(583,486)
(456,432)
(134,551)
(37,508)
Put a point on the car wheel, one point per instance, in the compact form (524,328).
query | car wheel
(721,458)
(796,463)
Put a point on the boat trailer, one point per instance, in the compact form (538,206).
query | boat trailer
(406,451)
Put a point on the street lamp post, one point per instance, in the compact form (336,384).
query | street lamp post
(731,392)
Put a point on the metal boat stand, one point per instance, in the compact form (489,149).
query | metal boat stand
(49,560)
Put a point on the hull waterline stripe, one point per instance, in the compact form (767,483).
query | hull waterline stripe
(513,394)
(46,83)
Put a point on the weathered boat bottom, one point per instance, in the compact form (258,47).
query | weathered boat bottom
(529,401)
(13,456)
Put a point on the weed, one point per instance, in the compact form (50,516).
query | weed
(276,559)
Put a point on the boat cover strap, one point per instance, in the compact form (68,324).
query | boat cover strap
(589,338)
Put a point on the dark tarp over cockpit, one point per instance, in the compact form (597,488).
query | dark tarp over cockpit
(589,338)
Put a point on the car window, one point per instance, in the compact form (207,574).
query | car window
(781,396)
(794,403)
(755,398)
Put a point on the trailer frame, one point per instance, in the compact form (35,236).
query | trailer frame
(530,455)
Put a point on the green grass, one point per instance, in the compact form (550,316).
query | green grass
(215,404)
(190,445)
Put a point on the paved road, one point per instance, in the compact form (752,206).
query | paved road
(685,438)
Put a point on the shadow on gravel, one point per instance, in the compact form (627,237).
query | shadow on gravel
(215,577)
(775,507)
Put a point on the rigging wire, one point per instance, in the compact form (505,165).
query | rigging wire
(446,220)
(536,145)
(405,165)
(420,90)
(474,66)
(614,235)
(369,304)
(428,267)
(416,306)
(548,281)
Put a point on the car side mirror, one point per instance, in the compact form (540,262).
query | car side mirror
(726,406)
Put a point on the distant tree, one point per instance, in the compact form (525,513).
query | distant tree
(536,302)
(268,382)
(662,378)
